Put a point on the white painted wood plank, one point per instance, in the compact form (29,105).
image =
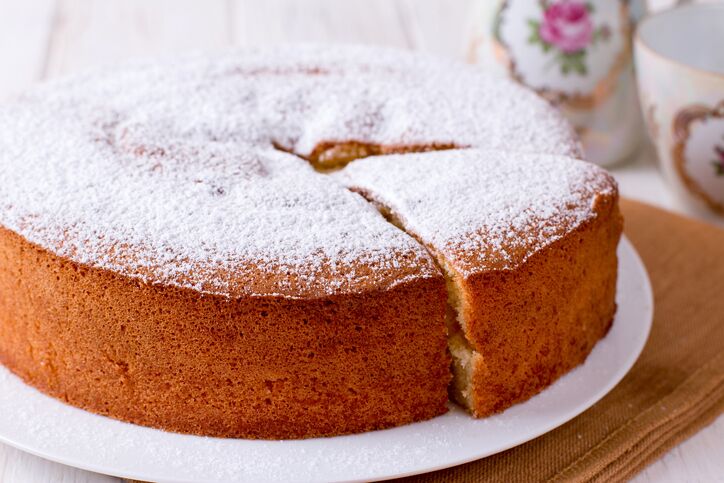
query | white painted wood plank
(441,27)
(25,27)
(19,467)
(640,180)
(91,32)
(698,459)
(257,22)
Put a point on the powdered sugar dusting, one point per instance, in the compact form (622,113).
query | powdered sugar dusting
(168,172)
(482,209)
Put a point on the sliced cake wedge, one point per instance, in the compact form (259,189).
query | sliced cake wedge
(527,243)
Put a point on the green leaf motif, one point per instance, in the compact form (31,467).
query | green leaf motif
(574,62)
(718,168)
(571,62)
(534,33)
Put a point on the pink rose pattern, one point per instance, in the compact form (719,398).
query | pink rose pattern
(567,25)
(566,30)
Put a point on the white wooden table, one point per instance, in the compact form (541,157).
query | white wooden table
(46,38)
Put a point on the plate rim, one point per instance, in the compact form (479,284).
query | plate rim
(624,369)
(624,246)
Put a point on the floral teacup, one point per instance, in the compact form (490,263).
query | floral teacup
(577,54)
(680,62)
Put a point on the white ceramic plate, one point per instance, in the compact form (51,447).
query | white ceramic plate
(43,426)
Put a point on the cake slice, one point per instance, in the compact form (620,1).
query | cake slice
(528,246)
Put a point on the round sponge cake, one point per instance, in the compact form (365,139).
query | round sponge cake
(174,252)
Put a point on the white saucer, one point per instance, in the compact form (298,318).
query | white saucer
(48,428)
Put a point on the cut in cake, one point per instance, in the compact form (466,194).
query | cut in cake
(173,252)
(528,246)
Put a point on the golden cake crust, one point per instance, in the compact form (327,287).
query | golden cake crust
(254,367)
(530,325)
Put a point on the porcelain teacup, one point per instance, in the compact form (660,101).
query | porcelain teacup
(679,55)
(576,54)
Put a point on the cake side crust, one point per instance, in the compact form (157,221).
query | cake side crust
(253,367)
(529,326)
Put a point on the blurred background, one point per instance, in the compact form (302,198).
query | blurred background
(46,38)
(41,39)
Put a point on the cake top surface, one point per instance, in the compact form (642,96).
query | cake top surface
(172,172)
(482,210)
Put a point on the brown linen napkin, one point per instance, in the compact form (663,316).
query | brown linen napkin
(674,389)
